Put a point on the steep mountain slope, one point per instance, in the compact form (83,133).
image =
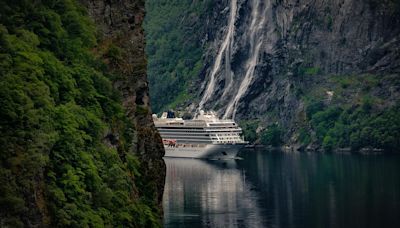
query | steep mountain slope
(78,148)
(314,73)
(122,46)
(175,33)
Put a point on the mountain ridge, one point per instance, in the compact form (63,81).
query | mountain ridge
(340,54)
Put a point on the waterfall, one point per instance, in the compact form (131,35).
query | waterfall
(255,36)
(225,48)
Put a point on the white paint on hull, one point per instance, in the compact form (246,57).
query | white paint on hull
(210,151)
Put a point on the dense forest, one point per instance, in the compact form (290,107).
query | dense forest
(354,117)
(60,164)
(174,33)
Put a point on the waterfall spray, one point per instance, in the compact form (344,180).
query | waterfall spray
(224,49)
(255,37)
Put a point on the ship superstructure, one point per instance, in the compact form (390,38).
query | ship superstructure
(205,136)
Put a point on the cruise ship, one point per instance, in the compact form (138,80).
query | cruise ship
(205,136)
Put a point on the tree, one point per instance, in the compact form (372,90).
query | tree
(272,136)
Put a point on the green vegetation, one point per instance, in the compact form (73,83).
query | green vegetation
(356,116)
(307,71)
(249,128)
(304,136)
(57,110)
(272,136)
(357,127)
(174,32)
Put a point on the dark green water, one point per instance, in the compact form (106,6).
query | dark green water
(275,189)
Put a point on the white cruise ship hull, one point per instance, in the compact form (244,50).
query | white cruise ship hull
(209,151)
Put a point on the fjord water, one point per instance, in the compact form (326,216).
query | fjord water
(276,189)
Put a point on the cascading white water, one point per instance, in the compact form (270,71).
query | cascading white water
(256,36)
(225,48)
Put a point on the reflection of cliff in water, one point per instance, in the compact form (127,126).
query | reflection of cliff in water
(325,190)
(208,193)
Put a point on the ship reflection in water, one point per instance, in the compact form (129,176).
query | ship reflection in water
(276,189)
(204,193)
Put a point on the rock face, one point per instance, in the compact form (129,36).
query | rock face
(120,27)
(282,51)
(78,145)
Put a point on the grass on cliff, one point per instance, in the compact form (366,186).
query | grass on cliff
(57,105)
(173,34)
(358,115)
(357,127)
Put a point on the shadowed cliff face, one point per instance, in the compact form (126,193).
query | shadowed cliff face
(78,145)
(284,52)
(120,28)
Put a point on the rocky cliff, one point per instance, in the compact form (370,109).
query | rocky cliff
(273,62)
(78,146)
(119,26)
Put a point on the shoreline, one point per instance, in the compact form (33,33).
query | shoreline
(299,149)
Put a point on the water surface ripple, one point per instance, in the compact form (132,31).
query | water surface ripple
(275,189)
